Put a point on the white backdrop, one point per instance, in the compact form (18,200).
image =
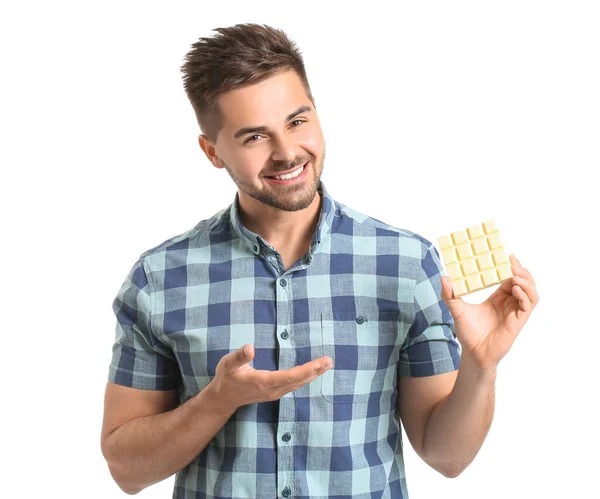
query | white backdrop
(437,115)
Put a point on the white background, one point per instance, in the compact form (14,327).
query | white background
(437,116)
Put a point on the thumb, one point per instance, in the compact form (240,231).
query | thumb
(456,305)
(243,355)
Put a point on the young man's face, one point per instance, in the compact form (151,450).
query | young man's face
(251,156)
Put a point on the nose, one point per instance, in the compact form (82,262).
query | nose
(284,150)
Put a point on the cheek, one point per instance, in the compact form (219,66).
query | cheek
(314,144)
(249,165)
(252,172)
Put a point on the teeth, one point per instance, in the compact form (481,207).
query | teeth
(290,175)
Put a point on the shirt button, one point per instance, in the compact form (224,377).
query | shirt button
(360,319)
(283,283)
(286,437)
(285,335)
(286,492)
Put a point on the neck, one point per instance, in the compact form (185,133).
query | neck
(284,230)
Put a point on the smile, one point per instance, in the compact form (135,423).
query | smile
(290,178)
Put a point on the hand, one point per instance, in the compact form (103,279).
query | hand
(237,384)
(487,331)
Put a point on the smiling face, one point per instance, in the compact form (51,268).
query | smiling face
(270,128)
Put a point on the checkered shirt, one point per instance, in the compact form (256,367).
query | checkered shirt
(366,294)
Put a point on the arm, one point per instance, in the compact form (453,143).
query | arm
(145,440)
(450,431)
(459,423)
(447,416)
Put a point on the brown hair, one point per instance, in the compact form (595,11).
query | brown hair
(244,54)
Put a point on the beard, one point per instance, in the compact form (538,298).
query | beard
(292,197)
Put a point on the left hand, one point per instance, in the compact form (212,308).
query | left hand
(487,331)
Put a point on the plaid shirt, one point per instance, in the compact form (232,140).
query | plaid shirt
(366,294)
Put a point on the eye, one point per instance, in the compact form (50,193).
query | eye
(252,136)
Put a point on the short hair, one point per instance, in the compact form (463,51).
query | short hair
(241,55)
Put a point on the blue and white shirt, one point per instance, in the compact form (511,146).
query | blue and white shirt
(366,294)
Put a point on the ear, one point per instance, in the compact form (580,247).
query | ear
(209,150)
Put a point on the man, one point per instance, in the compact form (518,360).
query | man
(270,350)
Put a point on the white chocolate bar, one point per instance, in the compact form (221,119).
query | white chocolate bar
(474,258)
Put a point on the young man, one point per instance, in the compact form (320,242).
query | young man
(221,369)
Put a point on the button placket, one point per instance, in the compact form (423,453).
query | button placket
(285,449)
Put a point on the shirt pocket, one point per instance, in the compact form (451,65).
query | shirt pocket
(364,352)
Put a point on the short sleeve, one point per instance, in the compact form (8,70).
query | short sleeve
(431,346)
(139,359)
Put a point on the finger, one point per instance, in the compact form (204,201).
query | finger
(507,285)
(295,383)
(311,368)
(298,374)
(518,269)
(527,287)
(522,271)
(447,289)
(241,356)
(524,301)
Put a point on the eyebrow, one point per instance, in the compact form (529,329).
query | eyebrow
(254,129)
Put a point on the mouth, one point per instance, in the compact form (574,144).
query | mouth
(292,177)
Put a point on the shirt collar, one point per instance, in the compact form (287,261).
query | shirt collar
(254,240)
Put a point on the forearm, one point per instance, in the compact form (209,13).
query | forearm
(149,449)
(459,423)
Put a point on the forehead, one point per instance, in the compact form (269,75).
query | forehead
(266,103)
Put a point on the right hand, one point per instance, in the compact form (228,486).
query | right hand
(237,384)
